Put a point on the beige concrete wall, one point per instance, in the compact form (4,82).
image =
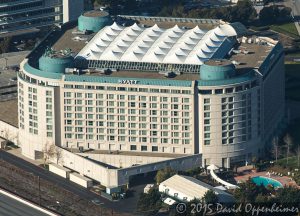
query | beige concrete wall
(124,160)
(9,132)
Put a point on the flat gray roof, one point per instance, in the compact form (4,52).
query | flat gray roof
(9,112)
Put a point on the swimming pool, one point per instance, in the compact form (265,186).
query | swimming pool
(258,180)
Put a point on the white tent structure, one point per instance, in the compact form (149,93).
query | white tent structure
(159,46)
(186,188)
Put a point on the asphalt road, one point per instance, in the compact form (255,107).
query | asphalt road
(125,206)
(12,207)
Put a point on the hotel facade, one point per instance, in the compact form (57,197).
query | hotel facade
(149,91)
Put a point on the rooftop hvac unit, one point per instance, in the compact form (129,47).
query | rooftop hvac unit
(244,39)
(235,62)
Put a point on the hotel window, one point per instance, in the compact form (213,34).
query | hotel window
(111,138)
(186,100)
(206,107)
(186,141)
(164,120)
(143,125)
(99,96)
(121,118)
(207,135)
(77,122)
(122,138)
(153,140)
(68,128)
(164,113)
(121,97)
(186,114)
(49,93)
(174,99)
(154,148)
(143,105)
(111,103)
(218,91)
(206,142)
(78,95)
(206,128)
(153,105)
(110,96)
(90,136)
(89,116)
(110,110)
(89,95)
(49,134)
(79,102)
(68,136)
(143,98)
(89,102)
(164,127)
(153,119)
(131,104)
(174,106)
(229,90)
(153,112)
(186,107)
(142,118)
(206,115)
(206,100)
(131,97)
(143,148)
(79,136)
(206,121)
(163,99)
(153,98)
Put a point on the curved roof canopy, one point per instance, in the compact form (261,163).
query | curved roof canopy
(156,45)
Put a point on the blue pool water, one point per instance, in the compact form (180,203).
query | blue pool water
(258,180)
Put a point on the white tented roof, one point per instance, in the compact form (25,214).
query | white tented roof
(157,45)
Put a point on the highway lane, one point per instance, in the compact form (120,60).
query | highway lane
(44,174)
(126,206)
(12,207)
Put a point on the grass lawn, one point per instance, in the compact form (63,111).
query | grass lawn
(293,162)
(287,28)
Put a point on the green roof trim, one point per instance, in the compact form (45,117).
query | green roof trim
(240,79)
(101,79)
(28,68)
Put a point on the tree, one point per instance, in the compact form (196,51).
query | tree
(288,141)
(5,44)
(298,155)
(48,152)
(248,191)
(210,197)
(288,196)
(164,174)
(57,154)
(149,202)
(6,136)
(275,149)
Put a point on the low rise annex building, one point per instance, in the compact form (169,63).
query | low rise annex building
(143,97)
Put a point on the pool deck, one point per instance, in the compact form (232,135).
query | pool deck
(284,180)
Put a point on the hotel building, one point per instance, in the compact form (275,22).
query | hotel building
(21,15)
(211,95)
